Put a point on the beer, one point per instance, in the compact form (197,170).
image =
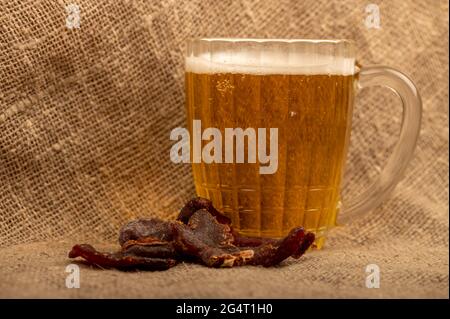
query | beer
(310,106)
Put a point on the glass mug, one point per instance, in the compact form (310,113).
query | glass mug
(305,89)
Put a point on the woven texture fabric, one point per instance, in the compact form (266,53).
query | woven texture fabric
(85,118)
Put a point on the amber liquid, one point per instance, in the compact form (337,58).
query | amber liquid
(313,117)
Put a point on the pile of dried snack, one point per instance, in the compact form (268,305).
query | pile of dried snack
(200,234)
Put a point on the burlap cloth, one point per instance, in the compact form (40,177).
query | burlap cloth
(85,117)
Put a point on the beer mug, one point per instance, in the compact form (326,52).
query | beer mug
(301,93)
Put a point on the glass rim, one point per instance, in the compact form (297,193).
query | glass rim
(271,40)
(341,47)
(269,54)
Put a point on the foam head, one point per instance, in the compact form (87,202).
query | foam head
(252,56)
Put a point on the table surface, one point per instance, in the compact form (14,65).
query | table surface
(337,271)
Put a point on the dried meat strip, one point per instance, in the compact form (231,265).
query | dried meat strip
(200,234)
(150,247)
(198,203)
(244,241)
(308,242)
(211,243)
(119,260)
(270,255)
(148,227)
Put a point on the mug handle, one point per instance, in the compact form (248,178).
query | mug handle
(393,171)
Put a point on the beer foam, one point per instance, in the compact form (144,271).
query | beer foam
(264,63)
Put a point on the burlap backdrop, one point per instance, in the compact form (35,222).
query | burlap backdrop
(85,116)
